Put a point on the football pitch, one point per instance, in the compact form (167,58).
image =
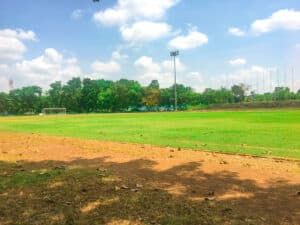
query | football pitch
(264,132)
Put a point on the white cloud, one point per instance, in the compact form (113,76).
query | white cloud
(145,31)
(287,19)
(257,77)
(148,70)
(298,45)
(146,63)
(26,35)
(192,40)
(53,56)
(11,43)
(129,10)
(45,69)
(4,70)
(72,60)
(111,17)
(238,62)
(11,48)
(3,84)
(193,79)
(77,14)
(105,68)
(18,33)
(236,32)
(116,55)
(169,65)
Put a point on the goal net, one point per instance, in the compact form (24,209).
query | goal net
(52,111)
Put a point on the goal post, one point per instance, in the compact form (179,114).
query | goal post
(53,111)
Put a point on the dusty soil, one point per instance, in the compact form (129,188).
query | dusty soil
(120,183)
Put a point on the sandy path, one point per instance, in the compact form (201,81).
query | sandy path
(261,188)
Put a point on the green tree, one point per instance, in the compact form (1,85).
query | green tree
(151,95)
(89,97)
(106,100)
(282,93)
(127,93)
(26,99)
(239,92)
(154,84)
(55,94)
(71,95)
(4,102)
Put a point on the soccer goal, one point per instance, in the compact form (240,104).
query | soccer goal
(52,111)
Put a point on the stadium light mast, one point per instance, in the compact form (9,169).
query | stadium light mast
(174,54)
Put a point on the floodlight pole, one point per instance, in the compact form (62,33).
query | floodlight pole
(174,54)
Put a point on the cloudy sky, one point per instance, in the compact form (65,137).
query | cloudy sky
(220,42)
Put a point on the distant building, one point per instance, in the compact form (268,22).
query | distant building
(10,84)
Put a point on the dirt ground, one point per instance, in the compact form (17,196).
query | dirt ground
(57,180)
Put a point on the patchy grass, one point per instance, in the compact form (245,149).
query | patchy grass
(31,195)
(56,180)
(267,133)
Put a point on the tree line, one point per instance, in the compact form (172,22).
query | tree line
(87,95)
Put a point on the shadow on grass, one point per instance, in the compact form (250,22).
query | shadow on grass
(96,191)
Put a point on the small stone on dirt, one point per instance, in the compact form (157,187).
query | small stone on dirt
(179,149)
(250,221)
(59,167)
(134,190)
(139,186)
(43,173)
(209,198)
(262,218)
(124,187)
(223,162)
(117,188)
(101,170)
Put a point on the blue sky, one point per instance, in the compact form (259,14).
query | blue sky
(220,42)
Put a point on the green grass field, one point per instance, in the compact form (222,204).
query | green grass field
(267,133)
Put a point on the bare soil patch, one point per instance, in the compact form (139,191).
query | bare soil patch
(56,180)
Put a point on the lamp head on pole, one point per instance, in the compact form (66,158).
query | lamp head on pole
(174,53)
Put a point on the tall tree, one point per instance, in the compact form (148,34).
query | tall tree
(71,95)
(4,102)
(282,93)
(239,92)
(55,94)
(89,97)
(151,95)
(127,93)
